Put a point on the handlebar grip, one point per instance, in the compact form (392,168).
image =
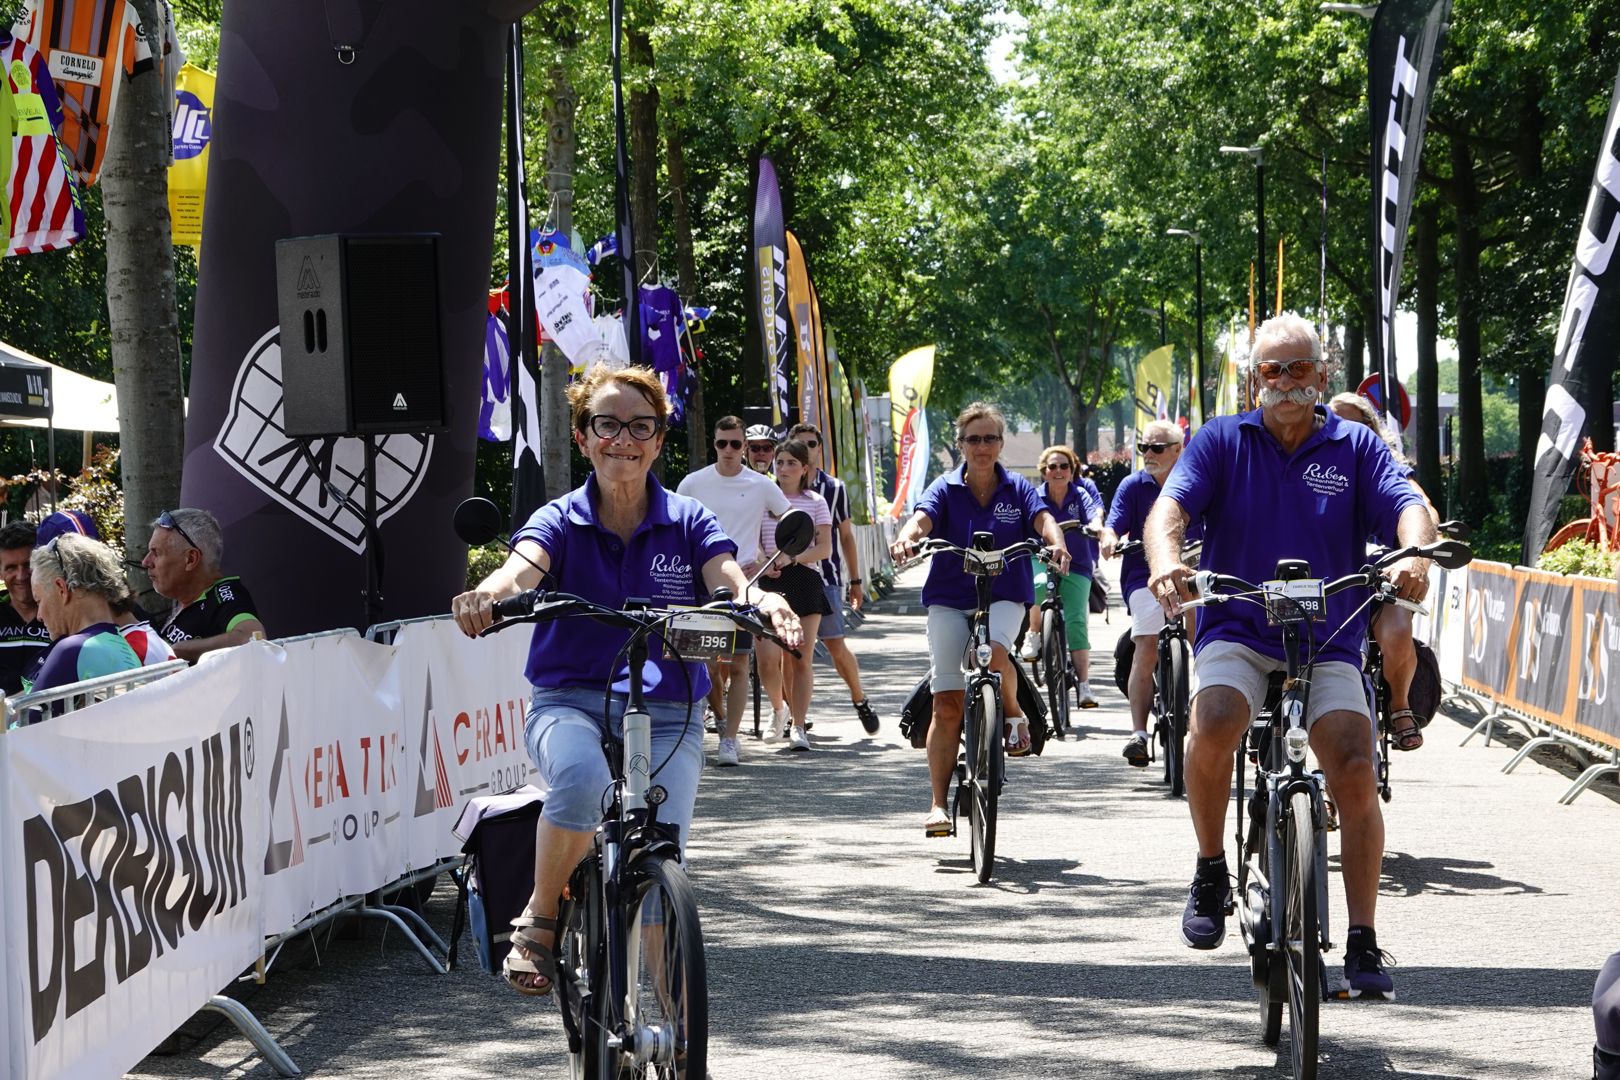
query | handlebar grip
(514,607)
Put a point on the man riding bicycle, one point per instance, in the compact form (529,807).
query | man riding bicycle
(618,536)
(980,495)
(1288,480)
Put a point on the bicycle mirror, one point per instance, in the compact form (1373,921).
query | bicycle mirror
(1450,554)
(1457,530)
(477,521)
(794,531)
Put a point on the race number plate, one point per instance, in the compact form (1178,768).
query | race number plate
(699,635)
(1306,593)
(985,564)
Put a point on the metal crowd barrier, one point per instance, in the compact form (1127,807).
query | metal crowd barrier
(82,695)
(1595,759)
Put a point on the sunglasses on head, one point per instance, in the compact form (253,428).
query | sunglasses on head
(166,521)
(978,440)
(728,444)
(1297,369)
(1153,447)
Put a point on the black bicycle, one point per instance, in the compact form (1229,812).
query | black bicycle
(1054,670)
(1282,854)
(631,976)
(1171,709)
(981,773)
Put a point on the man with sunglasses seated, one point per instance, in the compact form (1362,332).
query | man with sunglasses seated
(1290,480)
(740,499)
(212,611)
(1160,446)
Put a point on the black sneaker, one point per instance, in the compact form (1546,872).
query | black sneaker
(1136,751)
(1364,974)
(1203,923)
(869,719)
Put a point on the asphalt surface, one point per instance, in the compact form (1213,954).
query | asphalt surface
(841,942)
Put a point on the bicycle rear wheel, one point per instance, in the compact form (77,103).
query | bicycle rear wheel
(1175,746)
(1055,661)
(984,778)
(581,965)
(1301,940)
(666,1011)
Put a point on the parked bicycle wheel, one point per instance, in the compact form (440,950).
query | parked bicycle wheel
(1055,661)
(1300,936)
(582,961)
(1176,705)
(667,999)
(984,778)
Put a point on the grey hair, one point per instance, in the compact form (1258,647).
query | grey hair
(1170,428)
(981,410)
(202,528)
(1286,325)
(85,564)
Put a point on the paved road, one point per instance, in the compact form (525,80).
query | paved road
(842,943)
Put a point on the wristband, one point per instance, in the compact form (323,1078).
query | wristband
(855,581)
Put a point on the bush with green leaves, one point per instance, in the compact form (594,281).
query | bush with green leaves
(1579,557)
(483,561)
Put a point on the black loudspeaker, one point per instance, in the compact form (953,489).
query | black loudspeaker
(362,350)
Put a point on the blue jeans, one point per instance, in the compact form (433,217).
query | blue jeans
(564,732)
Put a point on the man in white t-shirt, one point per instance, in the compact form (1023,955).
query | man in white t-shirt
(741,499)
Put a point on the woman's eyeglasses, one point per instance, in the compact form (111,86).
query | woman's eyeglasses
(1297,369)
(979,440)
(166,520)
(1058,466)
(728,444)
(1153,447)
(641,428)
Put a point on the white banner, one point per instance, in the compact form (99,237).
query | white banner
(463,702)
(133,856)
(1450,607)
(334,754)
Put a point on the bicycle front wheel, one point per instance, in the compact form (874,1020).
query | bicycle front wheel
(753,681)
(1301,940)
(1178,709)
(1055,660)
(989,757)
(666,1009)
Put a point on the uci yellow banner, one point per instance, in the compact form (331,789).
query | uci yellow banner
(193,131)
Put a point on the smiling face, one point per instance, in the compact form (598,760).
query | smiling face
(981,443)
(1289,398)
(760,453)
(621,458)
(14,571)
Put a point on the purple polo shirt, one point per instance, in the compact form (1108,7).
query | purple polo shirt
(957,515)
(663,563)
(1078,505)
(1133,501)
(1260,504)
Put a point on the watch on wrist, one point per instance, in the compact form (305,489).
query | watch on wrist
(856,581)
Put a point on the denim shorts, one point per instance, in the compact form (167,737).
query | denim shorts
(564,732)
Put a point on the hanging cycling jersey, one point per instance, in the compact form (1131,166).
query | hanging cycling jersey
(89,47)
(42,210)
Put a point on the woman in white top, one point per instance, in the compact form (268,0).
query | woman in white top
(799,582)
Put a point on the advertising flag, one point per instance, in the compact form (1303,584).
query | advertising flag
(188,173)
(1154,373)
(768,273)
(812,386)
(910,379)
(1589,328)
(831,447)
(1402,48)
(848,462)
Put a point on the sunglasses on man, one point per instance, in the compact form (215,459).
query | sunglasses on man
(1153,447)
(728,444)
(166,520)
(1297,369)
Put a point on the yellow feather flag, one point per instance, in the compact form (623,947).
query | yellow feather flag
(910,379)
(1279,277)
(188,174)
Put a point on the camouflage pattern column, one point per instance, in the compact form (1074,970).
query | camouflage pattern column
(341,116)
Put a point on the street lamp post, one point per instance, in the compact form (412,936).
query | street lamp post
(1198,292)
(1259,213)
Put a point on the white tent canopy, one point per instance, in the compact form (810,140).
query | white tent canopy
(80,403)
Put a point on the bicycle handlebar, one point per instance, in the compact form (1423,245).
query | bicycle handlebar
(538,605)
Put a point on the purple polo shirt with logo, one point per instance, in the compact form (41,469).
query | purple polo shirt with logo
(1260,504)
(663,563)
(1133,501)
(957,515)
(1078,505)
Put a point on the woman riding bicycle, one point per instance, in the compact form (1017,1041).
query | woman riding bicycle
(977,496)
(1068,500)
(619,535)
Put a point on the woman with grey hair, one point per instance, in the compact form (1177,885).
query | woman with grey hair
(76,581)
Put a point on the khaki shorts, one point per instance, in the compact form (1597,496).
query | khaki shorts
(1147,616)
(1335,685)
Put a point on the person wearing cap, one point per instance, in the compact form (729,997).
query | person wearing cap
(183,560)
(761,448)
(23,637)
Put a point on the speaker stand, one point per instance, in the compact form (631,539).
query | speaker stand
(374,554)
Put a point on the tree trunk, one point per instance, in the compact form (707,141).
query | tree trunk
(697,428)
(556,437)
(1355,350)
(1473,493)
(1426,398)
(144,323)
(1119,424)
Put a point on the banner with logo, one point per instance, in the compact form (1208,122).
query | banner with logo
(832,448)
(1488,639)
(1588,332)
(1401,52)
(769,289)
(192,131)
(910,379)
(1448,622)
(850,451)
(811,401)
(1597,650)
(1543,646)
(133,855)
(1155,374)
(463,702)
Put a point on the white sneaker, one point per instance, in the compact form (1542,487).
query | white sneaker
(1086,700)
(727,754)
(1032,648)
(779,724)
(797,739)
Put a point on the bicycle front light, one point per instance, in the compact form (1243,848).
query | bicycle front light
(1296,742)
(983,654)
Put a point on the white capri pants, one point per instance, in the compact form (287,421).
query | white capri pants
(948,629)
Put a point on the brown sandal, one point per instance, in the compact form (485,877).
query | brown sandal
(1407,736)
(541,961)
